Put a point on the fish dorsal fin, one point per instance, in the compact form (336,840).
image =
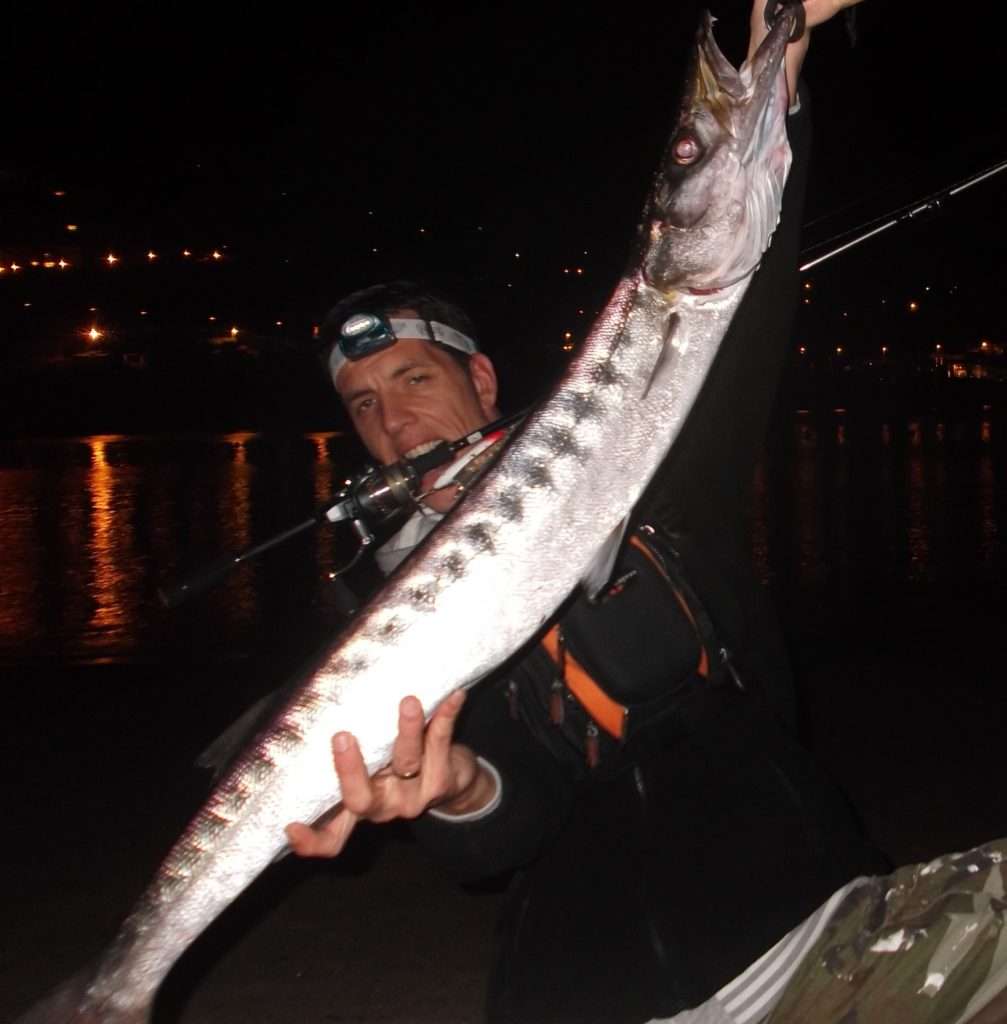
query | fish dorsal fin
(599,572)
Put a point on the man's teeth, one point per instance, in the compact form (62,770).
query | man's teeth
(421,449)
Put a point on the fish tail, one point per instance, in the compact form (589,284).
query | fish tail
(69,1004)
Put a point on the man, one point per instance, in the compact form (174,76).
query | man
(654,859)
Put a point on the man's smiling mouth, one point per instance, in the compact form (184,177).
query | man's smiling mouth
(421,449)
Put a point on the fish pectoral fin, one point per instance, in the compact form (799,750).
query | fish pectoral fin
(599,572)
(664,356)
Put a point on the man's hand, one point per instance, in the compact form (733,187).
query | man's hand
(815,13)
(427,770)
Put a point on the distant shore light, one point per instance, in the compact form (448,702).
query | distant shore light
(94,334)
(111,259)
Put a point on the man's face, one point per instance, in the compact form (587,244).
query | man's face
(412,395)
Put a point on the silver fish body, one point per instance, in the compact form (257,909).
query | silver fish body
(501,564)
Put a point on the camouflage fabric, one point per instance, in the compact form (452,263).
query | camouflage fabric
(925,944)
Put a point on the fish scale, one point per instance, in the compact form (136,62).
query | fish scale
(526,534)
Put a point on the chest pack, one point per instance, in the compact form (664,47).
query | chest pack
(611,670)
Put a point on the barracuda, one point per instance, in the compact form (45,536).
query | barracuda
(536,526)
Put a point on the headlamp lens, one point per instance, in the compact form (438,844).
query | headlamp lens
(364,334)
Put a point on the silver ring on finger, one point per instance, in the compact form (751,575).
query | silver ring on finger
(406,776)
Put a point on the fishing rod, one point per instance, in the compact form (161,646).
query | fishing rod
(930,202)
(372,496)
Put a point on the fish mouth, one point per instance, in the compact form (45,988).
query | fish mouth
(716,84)
(717,197)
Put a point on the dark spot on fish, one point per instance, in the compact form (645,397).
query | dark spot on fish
(309,703)
(167,882)
(260,767)
(389,629)
(605,375)
(535,473)
(581,406)
(286,736)
(344,666)
(233,799)
(480,536)
(562,441)
(422,597)
(453,565)
(511,506)
(209,825)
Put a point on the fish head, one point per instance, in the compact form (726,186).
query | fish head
(716,198)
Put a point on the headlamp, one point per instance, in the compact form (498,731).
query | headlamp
(363,334)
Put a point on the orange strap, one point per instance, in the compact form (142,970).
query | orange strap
(703,668)
(609,713)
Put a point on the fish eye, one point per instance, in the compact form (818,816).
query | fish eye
(685,149)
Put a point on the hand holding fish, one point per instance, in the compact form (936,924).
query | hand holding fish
(816,12)
(427,771)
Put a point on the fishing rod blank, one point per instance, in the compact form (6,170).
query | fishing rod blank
(931,202)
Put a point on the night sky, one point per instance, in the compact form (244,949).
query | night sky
(487,151)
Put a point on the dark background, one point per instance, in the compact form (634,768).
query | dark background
(503,156)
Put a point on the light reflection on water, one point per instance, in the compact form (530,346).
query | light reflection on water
(91,527)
